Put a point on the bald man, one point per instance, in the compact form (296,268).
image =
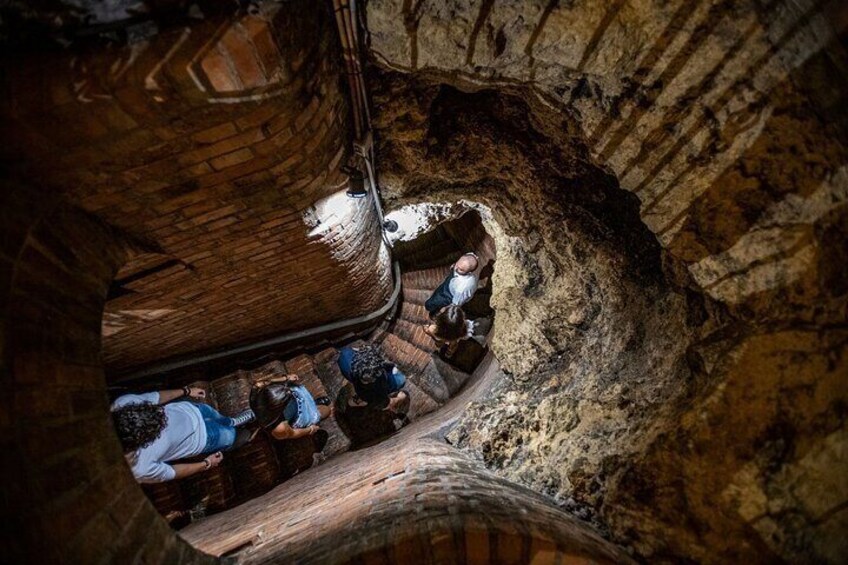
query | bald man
(459,286)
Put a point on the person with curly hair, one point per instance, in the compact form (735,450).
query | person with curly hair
(376,382)
(158,428)
(449,327)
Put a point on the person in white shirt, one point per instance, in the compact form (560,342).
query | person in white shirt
(459,286)
(155,432)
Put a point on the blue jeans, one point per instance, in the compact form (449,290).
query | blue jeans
(307,410)
(220,431)
(346,355)
(441,297)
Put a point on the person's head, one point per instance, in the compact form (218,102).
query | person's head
(450,323)
(399,403)
(368,365)
(138,425)
(272,403)
(466,264)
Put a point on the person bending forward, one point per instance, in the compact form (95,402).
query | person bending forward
(286,409)
(153,435)
(376,382)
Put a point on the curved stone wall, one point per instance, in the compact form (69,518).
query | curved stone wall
(669,182)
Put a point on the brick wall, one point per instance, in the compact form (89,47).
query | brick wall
(207,144)
(68,494)
(409,499)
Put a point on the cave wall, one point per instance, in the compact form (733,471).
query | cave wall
(668,193)
(208,138)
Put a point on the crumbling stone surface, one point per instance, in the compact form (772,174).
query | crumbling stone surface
(667,195)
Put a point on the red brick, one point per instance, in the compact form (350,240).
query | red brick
(231,159)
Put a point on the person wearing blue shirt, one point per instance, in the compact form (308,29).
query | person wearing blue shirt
(376,382)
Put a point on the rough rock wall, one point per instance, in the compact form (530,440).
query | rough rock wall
(678,355)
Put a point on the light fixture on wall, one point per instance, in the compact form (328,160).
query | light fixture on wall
(390,226)
(356,182)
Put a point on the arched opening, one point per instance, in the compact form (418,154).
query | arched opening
(433,377)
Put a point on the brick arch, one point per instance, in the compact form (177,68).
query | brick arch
(70,496)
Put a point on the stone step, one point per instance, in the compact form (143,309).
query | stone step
(416,296)
(338,442)
(327,367)
(454,377)
(420,402)
(417,365)
(304,368)
(414,334)
(468,355)
(414,313)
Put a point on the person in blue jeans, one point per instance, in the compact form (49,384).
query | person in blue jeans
(158,428)
(287,410)
(376,382)
(458,287)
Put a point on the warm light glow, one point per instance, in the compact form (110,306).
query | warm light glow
(332,211)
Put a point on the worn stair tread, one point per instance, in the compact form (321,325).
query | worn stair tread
(417,366)
(416,296)
(338,442)
(414,334)
(420,402)
(327,367)
(468,355)
(414,313)
(232,392)
(304,368)
(454,377)
(272,369)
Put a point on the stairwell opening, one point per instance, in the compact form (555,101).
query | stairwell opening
(434,380)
